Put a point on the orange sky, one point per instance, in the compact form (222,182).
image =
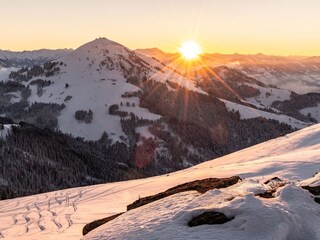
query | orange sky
(280,27)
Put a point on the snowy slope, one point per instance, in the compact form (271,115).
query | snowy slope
(283,217)
(91,86)
(313,111)
(4,73)
(292,214)
(303,82)
(269,95)
(95,76)
(167,73)
(6,130)
(249,112)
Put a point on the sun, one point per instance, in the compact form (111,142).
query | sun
(190,50)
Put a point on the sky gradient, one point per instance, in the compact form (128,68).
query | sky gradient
(279,27)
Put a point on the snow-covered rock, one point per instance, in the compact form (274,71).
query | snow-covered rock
(292,214)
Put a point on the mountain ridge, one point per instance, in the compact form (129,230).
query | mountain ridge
(18,59)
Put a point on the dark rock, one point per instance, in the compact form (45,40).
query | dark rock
(317,200)
(209,218)
(267,194)
(200,186)
(313,190)
(274,183)
(274,179)
(90,226)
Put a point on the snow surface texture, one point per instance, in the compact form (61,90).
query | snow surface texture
(292,214)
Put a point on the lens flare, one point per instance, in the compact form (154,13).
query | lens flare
(190,50)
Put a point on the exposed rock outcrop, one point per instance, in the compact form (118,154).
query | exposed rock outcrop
(209,218)
(200,186)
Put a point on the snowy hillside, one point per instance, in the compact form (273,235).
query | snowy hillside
(303,81)
(90,85)
(103,81)
(5,130)
(4,73)
(96,76)
(290,214)
(249,112)
(312,111)
(268,95)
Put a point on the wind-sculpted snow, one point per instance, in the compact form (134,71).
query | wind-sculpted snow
(294,157)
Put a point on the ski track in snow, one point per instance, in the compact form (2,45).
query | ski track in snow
(49,212)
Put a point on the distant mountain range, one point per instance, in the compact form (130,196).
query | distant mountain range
(114,108)
(295,73)
(11,59)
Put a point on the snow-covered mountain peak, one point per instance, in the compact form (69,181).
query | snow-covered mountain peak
(98,48)
(94,77)
(104,56)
